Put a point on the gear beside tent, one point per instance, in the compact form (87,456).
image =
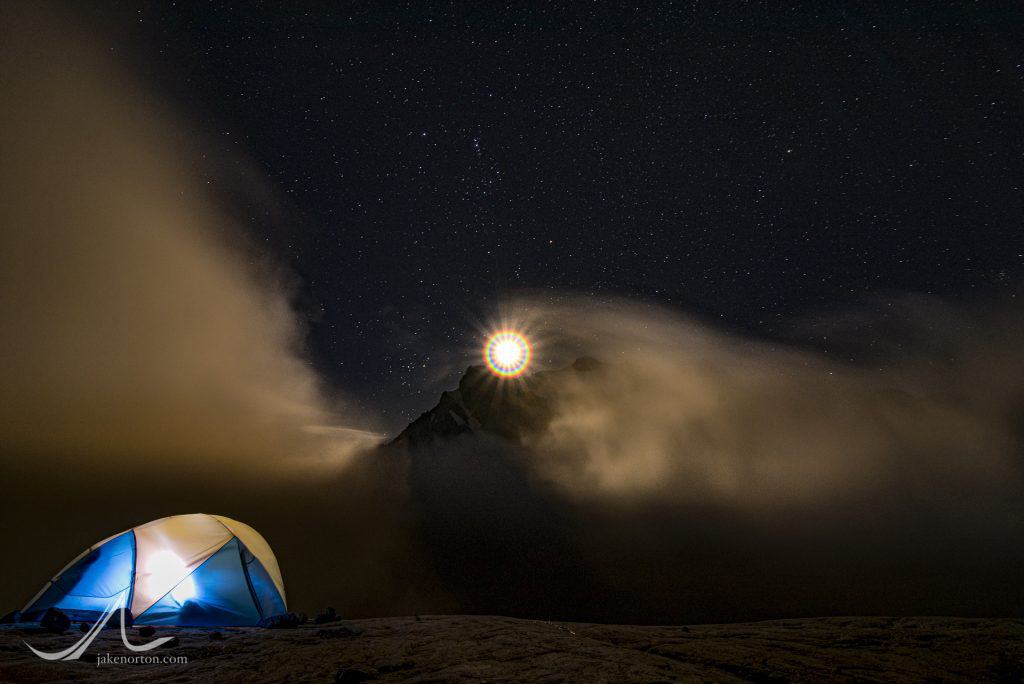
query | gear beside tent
(194,570)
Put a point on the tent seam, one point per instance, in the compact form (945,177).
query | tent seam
(135,561)
(221,523)
(242,548)
(205,560)
(278,586)
(52,582)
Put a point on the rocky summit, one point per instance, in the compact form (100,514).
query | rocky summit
(510,409)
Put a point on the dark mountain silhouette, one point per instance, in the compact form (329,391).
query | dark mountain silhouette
(507,408)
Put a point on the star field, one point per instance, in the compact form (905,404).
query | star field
(746,163)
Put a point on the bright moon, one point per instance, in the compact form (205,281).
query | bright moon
(507,353)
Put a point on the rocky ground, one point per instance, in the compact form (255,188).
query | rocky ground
(482,648)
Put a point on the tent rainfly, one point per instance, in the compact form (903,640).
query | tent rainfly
(195,570)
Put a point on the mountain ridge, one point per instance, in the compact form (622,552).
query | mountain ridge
(508,408)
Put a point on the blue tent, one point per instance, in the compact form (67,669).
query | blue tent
(195,570)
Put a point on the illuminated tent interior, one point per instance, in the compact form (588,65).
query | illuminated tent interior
(195,570)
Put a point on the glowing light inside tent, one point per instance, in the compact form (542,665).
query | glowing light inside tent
(507,353)
(166,569)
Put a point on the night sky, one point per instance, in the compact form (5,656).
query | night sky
(746,164)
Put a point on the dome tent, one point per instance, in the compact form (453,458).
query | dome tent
(196,570)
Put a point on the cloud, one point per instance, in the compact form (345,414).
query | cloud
(687,413)
(138,325)
(150,361)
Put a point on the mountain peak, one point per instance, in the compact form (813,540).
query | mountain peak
(483,403)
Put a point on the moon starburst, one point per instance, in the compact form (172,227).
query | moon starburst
(507,353)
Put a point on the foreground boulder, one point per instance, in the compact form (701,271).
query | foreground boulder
(282,621)
(55,620)
(329,615)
